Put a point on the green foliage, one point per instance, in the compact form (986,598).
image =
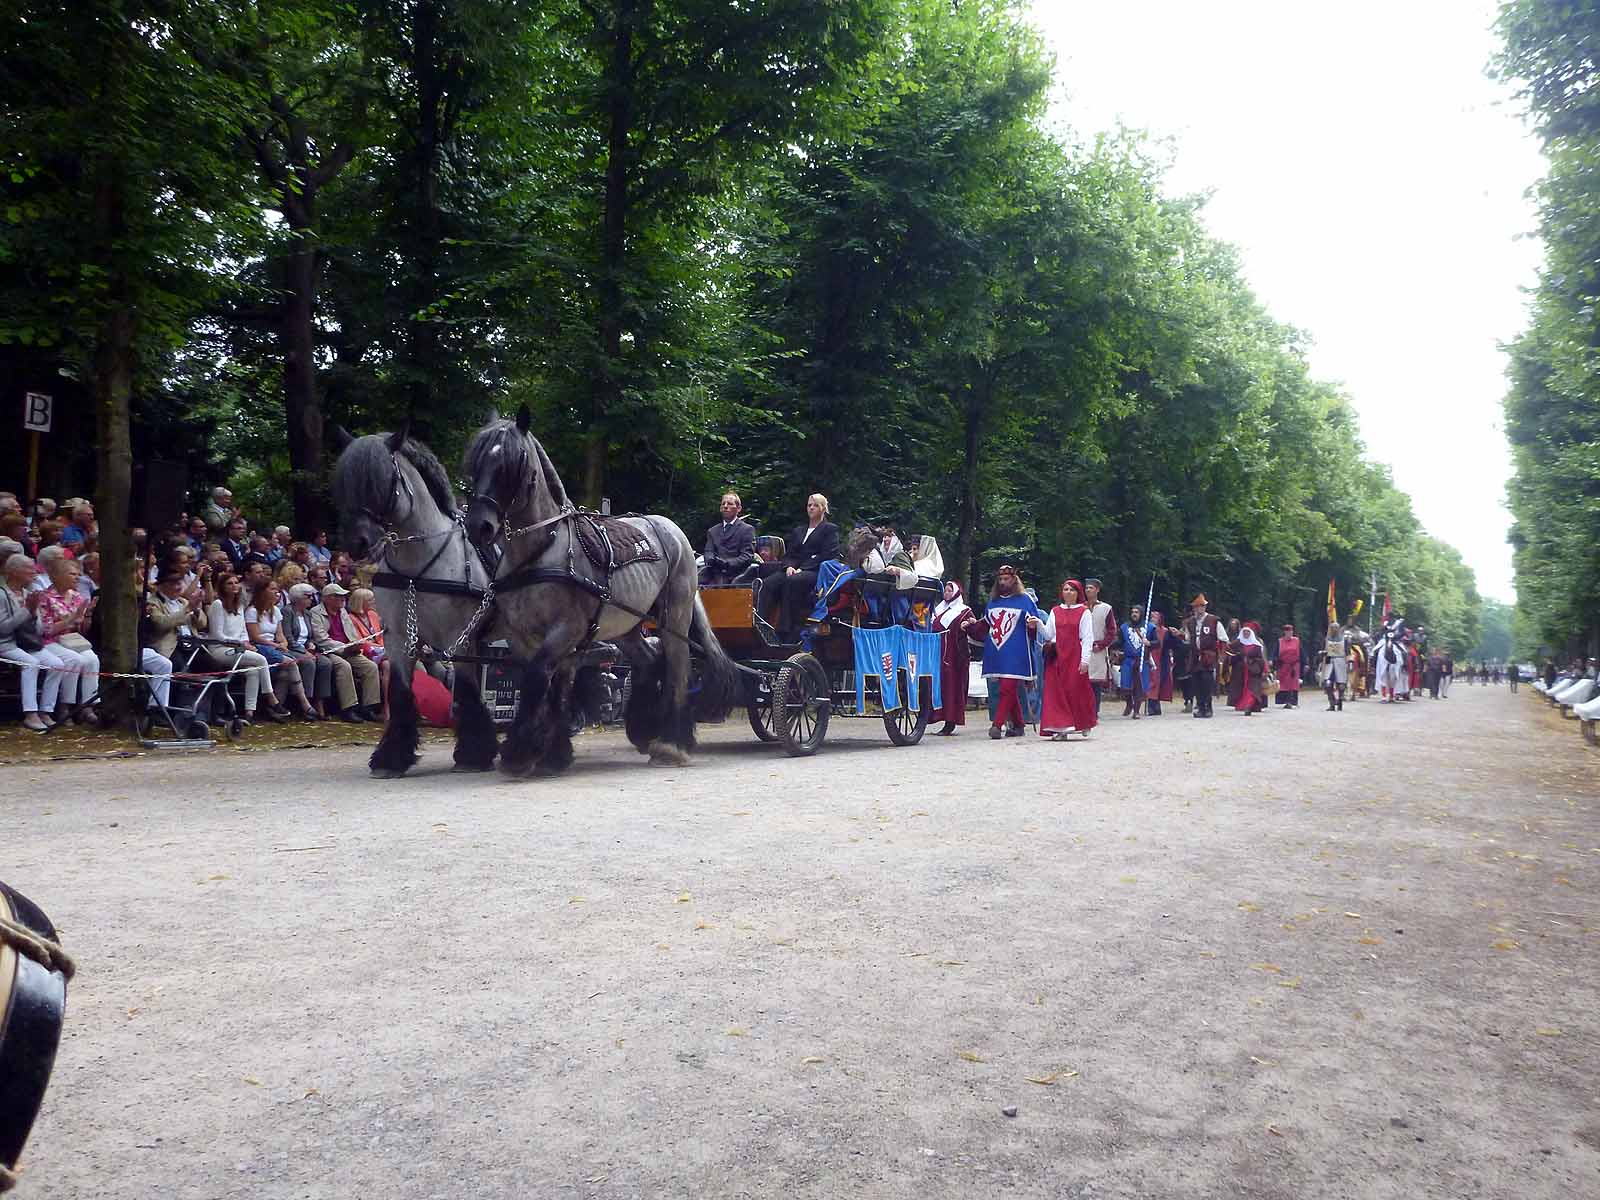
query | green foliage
(790,245)
(1553,405)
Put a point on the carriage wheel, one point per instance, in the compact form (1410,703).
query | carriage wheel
(801,705)
(905,727)
(760,712)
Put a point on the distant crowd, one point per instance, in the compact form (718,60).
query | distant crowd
(284,613)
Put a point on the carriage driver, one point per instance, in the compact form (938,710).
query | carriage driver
(730,544)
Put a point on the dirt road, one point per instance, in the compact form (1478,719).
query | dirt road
(1303,954)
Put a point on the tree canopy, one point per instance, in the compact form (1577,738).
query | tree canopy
(786,246)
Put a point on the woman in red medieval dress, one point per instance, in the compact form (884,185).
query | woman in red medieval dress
(1161,655)
(1253,669)
(1069,705)
(953,619)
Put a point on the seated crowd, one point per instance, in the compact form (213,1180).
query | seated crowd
(287,616)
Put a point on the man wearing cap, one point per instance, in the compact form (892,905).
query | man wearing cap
(1287,663)
(1200,631)
(1104,623)
(352,670)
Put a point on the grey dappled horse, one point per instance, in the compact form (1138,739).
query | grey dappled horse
(395,502)
(552,599)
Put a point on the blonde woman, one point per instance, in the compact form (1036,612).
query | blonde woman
(790,582)
(366,623)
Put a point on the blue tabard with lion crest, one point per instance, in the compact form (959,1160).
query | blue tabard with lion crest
(1008,651)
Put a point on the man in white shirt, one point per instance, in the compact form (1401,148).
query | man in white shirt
(1104,623)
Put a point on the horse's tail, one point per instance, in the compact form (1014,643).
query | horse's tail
(720,683)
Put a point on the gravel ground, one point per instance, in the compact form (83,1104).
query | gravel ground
(1303,954)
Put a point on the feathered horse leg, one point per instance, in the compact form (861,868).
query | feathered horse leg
(477,744)
(396,751)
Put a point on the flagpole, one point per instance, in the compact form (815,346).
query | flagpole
(1149,599)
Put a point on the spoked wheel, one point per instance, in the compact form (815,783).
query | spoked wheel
(760,712)
(905,727)
(801,705)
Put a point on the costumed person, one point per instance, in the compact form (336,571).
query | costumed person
(1105,636)
(1161,659)
(1135,634)
(1389,657)
(730,545)
(1067,634)
(1432,669)
(1336,668)
(1202,636)
(1447,674)
(1233,664)
(1358,666)
(1252,662)
(953,621)
(1011,621)
(1287,664)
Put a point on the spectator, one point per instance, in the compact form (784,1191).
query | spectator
(255,573)
(264,623)
(9,503)
(8,547)
(198,534)
(300,554)
(233,543)
(366,623)
(351,668)
(316,669)
(89,581)
(18,622)
(319,547)
(80,526)
(46,556)
(281,537)
(14,525)
(229,648)
(218,511)
(49,531)
(318,578)
(343,569)
(63,616)
(286,575)
(43,509)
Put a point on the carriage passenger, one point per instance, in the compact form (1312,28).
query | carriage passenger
(730,544)
(789,583)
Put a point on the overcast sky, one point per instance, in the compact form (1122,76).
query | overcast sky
(1374,179)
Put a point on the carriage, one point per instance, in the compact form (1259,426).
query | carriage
(796,688)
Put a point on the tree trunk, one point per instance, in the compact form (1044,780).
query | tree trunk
(302,408)
(112,386)
(967,533)
(607,387)
(422,343)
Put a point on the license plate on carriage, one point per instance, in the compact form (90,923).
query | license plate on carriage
(499,685)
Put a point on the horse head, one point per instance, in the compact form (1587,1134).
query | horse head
(511,476)
(374,492)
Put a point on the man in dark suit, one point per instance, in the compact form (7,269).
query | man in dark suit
(730,544)
(791,581)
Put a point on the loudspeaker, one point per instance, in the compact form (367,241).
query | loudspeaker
(159,493)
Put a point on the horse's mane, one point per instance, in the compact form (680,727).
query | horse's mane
(365,473)
(859,545)
(523,455)
(433,475)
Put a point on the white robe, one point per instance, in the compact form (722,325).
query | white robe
(1099,660)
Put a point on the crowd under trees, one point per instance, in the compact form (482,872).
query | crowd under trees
(787,245)
(1553,406)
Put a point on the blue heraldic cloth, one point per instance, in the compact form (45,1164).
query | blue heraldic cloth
(887,652)
(1008,651)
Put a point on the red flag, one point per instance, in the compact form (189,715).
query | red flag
(1386,606)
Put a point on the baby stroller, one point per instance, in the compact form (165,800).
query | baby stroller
(194,705)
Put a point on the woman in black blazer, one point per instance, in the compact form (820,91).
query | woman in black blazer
(791,581)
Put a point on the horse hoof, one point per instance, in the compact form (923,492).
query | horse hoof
(664,754)
(472,768)
(386,773)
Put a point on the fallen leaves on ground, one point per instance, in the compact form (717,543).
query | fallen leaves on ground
(1269,968)
(811,1060)
(1248,906)
(1547,1031)
(1053,1078)
(969,1056)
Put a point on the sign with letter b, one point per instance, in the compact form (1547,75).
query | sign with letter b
(36,408)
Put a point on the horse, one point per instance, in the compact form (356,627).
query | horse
(568,578)
(396,504)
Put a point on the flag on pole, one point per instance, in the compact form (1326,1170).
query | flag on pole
(1386,606)
(1356,611)
(1333,608)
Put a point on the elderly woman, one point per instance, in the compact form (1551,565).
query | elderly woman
(18,623)
(228,646)
(286,574)
(264,623)
(63,616)
(363,616)
(316,669)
